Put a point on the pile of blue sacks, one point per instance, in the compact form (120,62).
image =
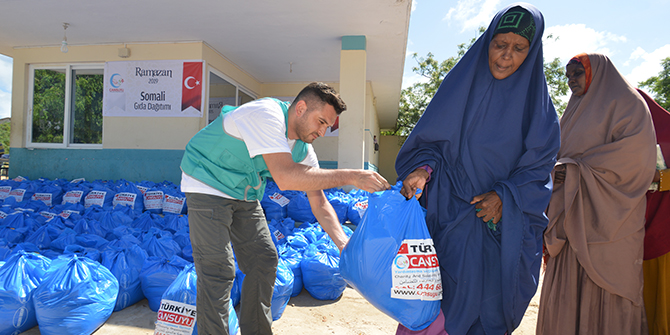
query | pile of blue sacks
(63,242)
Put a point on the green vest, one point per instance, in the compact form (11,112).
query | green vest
(222,161)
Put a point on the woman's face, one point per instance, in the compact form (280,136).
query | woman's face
(506,53)
(576,78)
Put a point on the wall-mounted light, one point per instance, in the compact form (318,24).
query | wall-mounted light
(63,45)
(124,52)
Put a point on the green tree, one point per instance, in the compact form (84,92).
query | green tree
(660,85)
(5,130)
(415,99)
(87,116)
(554,73)
(49,107)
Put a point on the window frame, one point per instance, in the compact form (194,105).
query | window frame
(238,87)
(67,112)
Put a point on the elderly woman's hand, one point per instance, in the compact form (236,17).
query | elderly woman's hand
(415,180)
(489,206)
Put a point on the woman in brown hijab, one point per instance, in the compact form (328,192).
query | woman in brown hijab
(593,281)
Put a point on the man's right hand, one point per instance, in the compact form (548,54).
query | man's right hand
(370,181)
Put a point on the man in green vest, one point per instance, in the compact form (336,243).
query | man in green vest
(224,170)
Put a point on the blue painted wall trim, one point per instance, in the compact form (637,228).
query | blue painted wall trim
(106,164)
(353,42)
(328,164)
(333,165)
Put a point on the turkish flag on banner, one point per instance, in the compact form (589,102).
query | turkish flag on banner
(191,90)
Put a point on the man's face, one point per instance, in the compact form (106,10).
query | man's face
(312,121)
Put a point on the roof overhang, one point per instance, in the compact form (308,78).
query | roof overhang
(272,41)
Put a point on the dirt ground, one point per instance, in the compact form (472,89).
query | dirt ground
(350,314)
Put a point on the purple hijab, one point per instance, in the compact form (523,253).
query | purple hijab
(480,134)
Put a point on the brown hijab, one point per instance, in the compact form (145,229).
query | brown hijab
(608,149)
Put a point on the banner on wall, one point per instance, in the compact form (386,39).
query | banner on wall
(163,88)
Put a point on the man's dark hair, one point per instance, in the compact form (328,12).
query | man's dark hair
(320,93)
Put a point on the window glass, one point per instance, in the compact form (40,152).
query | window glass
(48,106)
(221,92)
(244,98)
(87,88)
(66,106)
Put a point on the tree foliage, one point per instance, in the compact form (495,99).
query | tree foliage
(660,85)
(87,116)
(48,122)
(48,106)
(5,130)
(415,99)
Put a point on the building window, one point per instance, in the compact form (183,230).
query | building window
(66,106)
(223,91)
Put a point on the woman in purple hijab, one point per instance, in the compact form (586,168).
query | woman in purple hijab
(482,153)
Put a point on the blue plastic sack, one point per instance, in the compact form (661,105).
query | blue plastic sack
(147,220)
(164,247)
(50,194)
(14,235)
(89,226)
(174,202)
(321,276)
(81,251)
(19,220)
(153,200)
(43,236)
(27,247)
(182,237)
(127,194)
(175,223)
(390,260)
(340,202)
(19,276)
(126,264)
(293,260)
(90,241)
(282,290)
(5,249)
(69,211)
(67,237)
(75,195)
(125,232)
(23,192)
(76,297)
(177,313)
(357,209)
(99,195)
(299,209)
(274,203)
(278,238)
(156,276)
